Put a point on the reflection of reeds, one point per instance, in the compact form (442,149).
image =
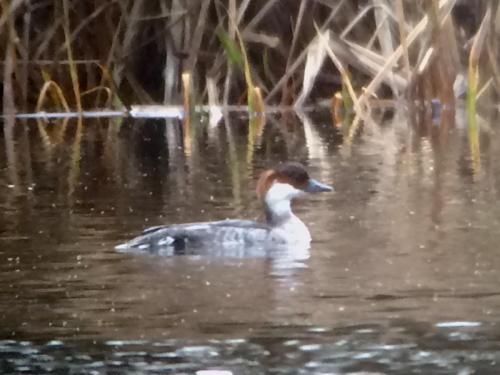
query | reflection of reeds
(188,112)
(10,151)
(255,130)
(74,166)
(233,161)
(346,82)
(112,152)
(314,144)
(9,104)
(238,56)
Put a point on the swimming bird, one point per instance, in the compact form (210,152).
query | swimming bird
(276,189)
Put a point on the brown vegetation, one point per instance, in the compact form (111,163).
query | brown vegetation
(289,52)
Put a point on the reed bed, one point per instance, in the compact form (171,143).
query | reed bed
(252,52)
(349,56)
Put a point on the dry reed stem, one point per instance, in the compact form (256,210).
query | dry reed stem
(212,93)
(171,64)
(355,21)
(9,106)
(84,23)
(25,58)
(258,102)
(494,67)
(485,87)
(241,10)
(45,38)
(494,46)
(53,95)
(296,32)
(100,89)
(426,60)
(214,111)
(130,26)
(57,93)
(477,46)
(285,92)
(260,15)
(231,27)
(197,36)
(385,38)
(8,10)
(254,95)
(72,66)
(316,55)
(127,43)
(45,62)
(186,84)
(8,103)
(371,63)
(106,77)
(402,37)
(378,30)
(142,95)
(298,61)
(473,78)
(360,112)
(444,65)
(447,5)
(450,44)
(343,73)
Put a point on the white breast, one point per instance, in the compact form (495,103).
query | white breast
(292,231)
(287,227)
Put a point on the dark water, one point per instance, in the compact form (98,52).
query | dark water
(403,276)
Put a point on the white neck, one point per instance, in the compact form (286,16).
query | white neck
(286,227)
(278,202)
(278,212)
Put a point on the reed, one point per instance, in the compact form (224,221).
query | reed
(72,66)
(188,112)
(9,60)
(138,50)
(255,129)
(238,56)
(56,93)
(473,78)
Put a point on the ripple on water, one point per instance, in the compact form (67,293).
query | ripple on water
(313,354)
(464,324)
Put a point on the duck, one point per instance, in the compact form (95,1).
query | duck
(276,189)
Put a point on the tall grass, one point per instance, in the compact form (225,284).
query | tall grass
(137,50)
(473,78)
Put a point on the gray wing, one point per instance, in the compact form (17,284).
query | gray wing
(243,232)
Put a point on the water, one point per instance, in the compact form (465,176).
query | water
(402,276)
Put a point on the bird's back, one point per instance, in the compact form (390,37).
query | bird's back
(210,234)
